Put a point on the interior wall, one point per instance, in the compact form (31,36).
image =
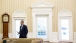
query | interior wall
(10,6)
(0,17)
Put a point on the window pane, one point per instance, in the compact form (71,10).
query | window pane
(65,29)
(42,27)
(17,27)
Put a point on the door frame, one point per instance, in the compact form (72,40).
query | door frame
(62,14)
(42,8)
(13,26)
(18,14)
(70,29)
(42,12)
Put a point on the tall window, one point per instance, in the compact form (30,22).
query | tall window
(65,25)
(65,29)
(16,18)
(17,27)
(42,27)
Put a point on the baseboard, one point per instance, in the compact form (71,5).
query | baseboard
(1,36)
(54,37)
(74,36)
(30,35)
(54,42)
(74,41)
(10,35)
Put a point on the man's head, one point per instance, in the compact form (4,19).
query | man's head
(22,22)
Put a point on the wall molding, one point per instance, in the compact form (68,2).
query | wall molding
(42,5)
(1,36)
(30,35)
(42,9)
(19,15)
(54,37)
(74,36)
(65,14)
(74,41)
(9,35)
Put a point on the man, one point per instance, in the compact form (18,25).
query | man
(23,30)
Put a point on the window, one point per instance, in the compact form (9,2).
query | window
(42,27)
(65,29)
(17,27)
(65,25)
(16,18)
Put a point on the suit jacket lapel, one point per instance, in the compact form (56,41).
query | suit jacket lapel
(22,27)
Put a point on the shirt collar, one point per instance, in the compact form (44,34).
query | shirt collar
(21,25)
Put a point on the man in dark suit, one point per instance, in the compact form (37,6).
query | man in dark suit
(23,30)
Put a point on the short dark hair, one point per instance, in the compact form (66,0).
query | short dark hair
(22,21)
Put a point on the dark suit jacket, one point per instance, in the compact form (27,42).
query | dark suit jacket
(23,31)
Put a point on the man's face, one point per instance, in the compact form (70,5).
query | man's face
(22,23)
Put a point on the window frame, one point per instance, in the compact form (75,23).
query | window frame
(62,14)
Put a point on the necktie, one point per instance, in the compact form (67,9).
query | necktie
(21,27)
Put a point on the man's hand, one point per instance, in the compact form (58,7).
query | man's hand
(18,32)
